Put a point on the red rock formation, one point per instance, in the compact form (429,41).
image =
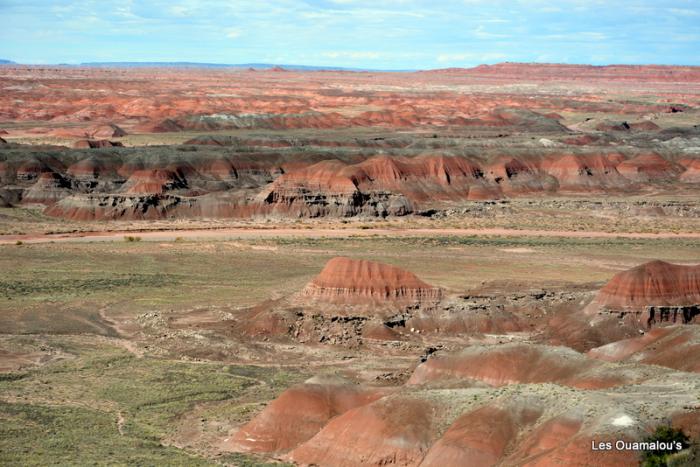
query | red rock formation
(390,431)
(563,440)
(519,363)
(299,413)
(515,177)
(349,280)
(114,206)
(31,169)
(585,172)
(92,167)
(481,437)
(656,283)
(508,432)
(676,347)
(646,167)
(48,189)
(153,181)
(613,126)
(692,172)
(646,125)
(106,131)
(582,140)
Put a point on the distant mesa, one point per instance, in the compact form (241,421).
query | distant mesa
(96,144)
(49,188)
(692,171)
(654,283)
(660,291)
(646,167)
(349,280)
(646,125)
(106,131)
(153,181)
(613,126)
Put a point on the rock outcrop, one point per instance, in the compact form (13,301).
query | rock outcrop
(106,131)
(153,181)
(647,167)
(49,188)
(392,430)
(520,363)
(299,413)
(652,284)
(345,280)
(676,347)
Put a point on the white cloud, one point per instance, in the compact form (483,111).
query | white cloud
(470,57)
(233,33)
(354,55)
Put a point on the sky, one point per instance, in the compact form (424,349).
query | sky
(374,34)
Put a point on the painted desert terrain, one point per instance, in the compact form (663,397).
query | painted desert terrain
(497,265)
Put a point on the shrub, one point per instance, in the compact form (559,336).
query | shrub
(665,434)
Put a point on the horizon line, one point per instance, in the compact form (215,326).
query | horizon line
(304,67)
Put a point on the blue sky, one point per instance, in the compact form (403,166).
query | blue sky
(381,34)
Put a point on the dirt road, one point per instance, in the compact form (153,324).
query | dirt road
(258,233)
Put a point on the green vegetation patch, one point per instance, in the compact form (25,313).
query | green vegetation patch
(677,455)
(46,435)
(75,286)
(151,393)
(106,406)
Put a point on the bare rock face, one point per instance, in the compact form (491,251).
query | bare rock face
(153,181)
(647,167)
(330,188)
(656,283)
(49,188)
(481,437)
(112,206)
(106,131)
(345,280)
(591,172)
(516,177)
(91,168)
(520,363)
(692,172)
(301,412)
(656,293)
(390,431)
(676,347)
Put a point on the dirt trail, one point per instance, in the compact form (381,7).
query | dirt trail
(258,233)
(130,346)
(121,421)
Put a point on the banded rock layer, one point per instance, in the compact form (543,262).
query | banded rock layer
(656,283)
(346,280)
